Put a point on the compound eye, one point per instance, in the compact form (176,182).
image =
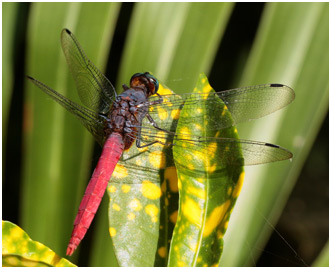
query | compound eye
(153,83)
(135,79)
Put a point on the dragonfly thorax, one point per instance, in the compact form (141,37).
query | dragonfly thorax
(126,114)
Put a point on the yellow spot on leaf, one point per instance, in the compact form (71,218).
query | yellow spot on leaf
(16,233)
(211,169)
(150,190)
(218,134)
(239,185)
(162,251)
(142,149)
(112,231)
(175,114)
(173,217)
(163,186)
(181,264)
(131,216)
(170,174)
(157,159)
(163,91)
(152,211)
(126,188)
(163,114)
(166,201)
(201,157)
(161,138)
(201,180)
(212,148)
(116,207)
(179,184)
(198,126)
(229,191)
(135,205)
(192,211)
(226,224)
(193,247)
(200,193)
(215,218)
(184,131)
(190,166)
(206,89)
(120,171)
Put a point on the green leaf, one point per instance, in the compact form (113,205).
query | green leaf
(57,148)
(9,14)
(176,41)
(291,47)
(323,258)
(295,52)
(143,192)
(18,249)
(208,186)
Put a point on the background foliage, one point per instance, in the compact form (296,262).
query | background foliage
(48,156)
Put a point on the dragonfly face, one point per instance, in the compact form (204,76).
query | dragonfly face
(147,80)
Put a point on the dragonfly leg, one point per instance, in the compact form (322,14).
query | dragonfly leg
(106,119)
(125,87)
(149,117)
(146,145)
(152,103)
(156,141)
(157,101)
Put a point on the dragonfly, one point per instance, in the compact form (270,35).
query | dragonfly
(118,120)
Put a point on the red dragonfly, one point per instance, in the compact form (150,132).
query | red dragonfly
(116,121)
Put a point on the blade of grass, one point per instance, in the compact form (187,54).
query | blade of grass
(58,149)
(290,48)
(323,257)
(9,11)
(176,48)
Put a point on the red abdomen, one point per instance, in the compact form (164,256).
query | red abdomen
(111,152)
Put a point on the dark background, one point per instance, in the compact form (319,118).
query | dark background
(305,230)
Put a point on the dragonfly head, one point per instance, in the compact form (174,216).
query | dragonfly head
(148,81)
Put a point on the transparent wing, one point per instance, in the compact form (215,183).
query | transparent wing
(93,122)
(245,104)
(94,89)
(253,152)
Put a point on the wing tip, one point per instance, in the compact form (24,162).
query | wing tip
(67,31)
(277,85)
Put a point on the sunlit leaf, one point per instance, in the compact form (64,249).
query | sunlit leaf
(18,249)
(208,186)
(291,47)
(57,148)
(143,192)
